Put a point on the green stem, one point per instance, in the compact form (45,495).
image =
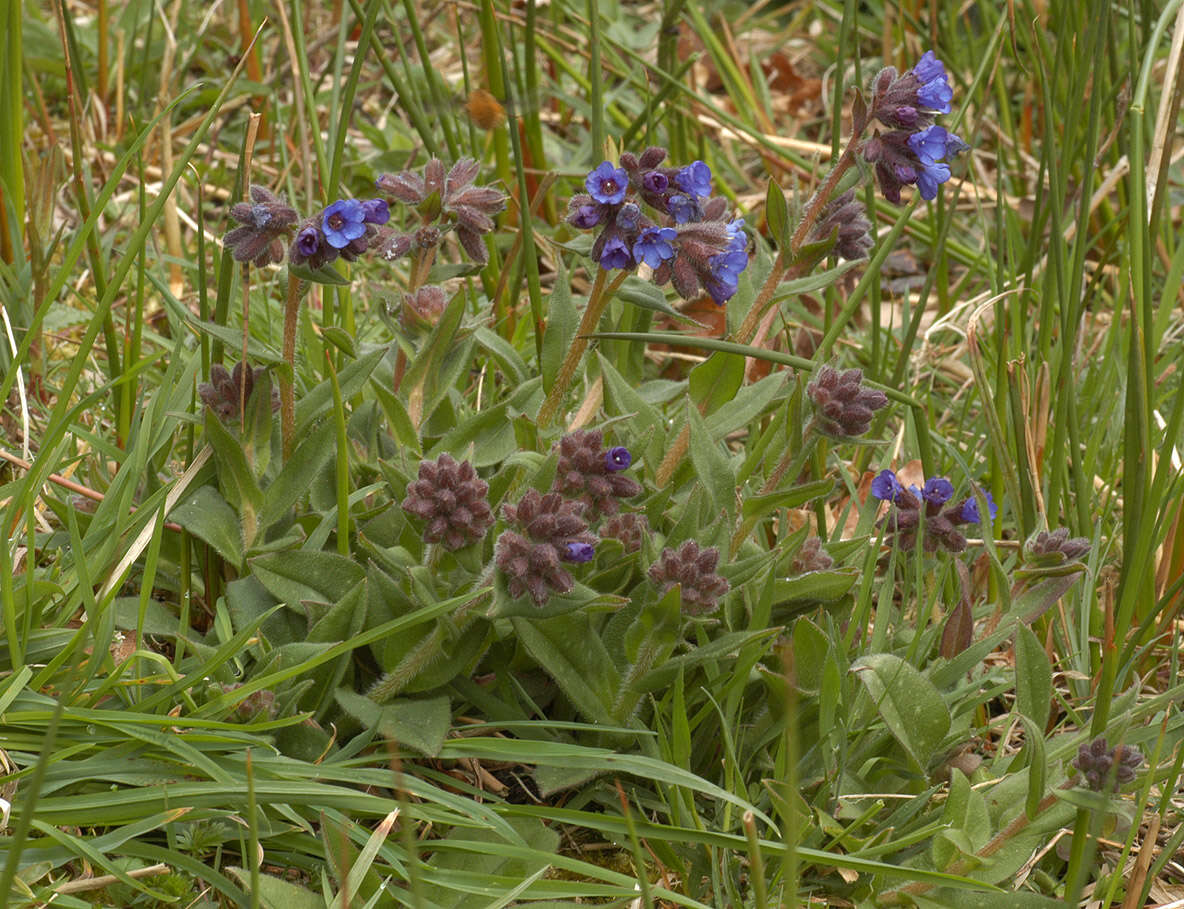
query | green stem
(602,293)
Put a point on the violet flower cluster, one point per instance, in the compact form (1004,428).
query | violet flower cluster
(914,150)
(666,219)
(445,201)
(941,523)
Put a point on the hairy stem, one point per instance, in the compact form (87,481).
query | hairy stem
(602,293)
(287,395)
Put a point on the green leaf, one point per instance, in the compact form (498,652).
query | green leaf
(746,404)
(297,475)
(1037,766)
(569,651)
(316,403)
(715,381)
(948,898)
(1033,677)
(711,465)
(811,648)
(257,352)
(276,893)
(297,577)
(777,214)
(205,514)
(487,859)
(341,339)
(326,274)
(760,505)
(561,326)
(645,295)
(911,707)
(235,477)
(419,724)
(966,813)
(1036,599)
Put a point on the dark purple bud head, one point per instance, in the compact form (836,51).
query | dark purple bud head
(655,181)
(308,241)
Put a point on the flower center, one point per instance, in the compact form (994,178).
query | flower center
(336,221)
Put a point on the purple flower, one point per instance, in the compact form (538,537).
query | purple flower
(375,211)
(970,512)
(937,490)
(308,241)
(585,217)
(617,458)
(886,487)
(579,552)
(694,179)
(653,246)
(655,182)
(607,184)
(615,254)
(343,221)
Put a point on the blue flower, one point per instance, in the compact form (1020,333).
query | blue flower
(694,179)
(653,246)
(375,211)
(886,487)
(682,208)
(579,552)
(934,93)
(343,222)
(970,513)
(607,184)
(929,145)
(930,177)
(617,458)
(615,254)
(937,490)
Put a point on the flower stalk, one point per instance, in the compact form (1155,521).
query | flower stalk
(602,292)
(287,395)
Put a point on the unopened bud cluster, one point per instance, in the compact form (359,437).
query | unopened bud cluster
(1104,768)
(843,405)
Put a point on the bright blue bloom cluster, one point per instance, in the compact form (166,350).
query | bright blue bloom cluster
(666,219)
(914,151)
(345,228)
(940,524)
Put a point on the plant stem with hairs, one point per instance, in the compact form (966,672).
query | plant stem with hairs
(602,292)
(287,395)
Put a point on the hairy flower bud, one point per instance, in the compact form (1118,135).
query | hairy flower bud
(451,500)
(693,569)
(1105,768)
(843,405)
(263,223)
(589,474)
